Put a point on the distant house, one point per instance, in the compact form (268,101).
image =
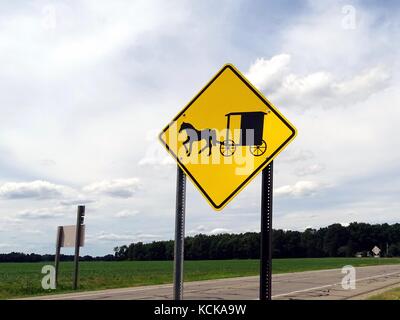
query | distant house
(362,254)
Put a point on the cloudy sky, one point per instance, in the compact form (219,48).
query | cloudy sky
(85,87)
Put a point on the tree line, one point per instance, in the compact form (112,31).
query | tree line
(33,257)
(332,241)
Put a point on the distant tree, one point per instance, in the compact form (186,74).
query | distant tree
(394,250)
(332,241)
(335,237)
(312,243)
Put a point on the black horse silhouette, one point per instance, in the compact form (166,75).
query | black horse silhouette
(193,135)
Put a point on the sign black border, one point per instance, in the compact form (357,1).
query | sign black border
(260,167)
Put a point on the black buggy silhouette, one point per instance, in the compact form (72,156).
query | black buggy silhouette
(249,121)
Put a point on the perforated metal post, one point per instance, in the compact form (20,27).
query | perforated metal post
(179,234)
(79,223)
(266,233)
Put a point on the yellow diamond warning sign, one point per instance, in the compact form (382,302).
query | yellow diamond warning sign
(226,135)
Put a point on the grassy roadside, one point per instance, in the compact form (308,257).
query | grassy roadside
(24,279)
(392,294)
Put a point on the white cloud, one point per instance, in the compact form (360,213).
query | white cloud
(343,213)
(126,213)
(155,154)
(115,237)
(11,220)
(157,161)
(296,155)
(267,74)
(119,188)
(83,35)
(320,88)
(299,189)
(43,213)
(323,89)
(35,189)
(76,201)
(32,232)
(315,84)
(147,236)
(219,231)
(311,169)
(129,238)
(199,229)
(365,83)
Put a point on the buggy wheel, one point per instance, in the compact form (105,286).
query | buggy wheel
(227,148)
(259,150)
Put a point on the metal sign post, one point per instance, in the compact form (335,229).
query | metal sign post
(57,256)
(207,126)
(266,233)
(79,223)
(179,234)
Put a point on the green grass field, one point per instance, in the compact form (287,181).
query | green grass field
(24,279)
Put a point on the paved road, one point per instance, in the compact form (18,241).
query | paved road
(324,284)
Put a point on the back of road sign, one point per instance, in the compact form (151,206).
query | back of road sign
(69,235)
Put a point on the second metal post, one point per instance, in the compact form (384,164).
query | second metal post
(179,234)
(79,222)
(266,233)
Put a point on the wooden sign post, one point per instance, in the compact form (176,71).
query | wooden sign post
(71,236)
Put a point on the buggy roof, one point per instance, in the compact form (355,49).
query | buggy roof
(243,113)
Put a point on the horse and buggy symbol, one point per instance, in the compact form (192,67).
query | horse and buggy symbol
(251,129)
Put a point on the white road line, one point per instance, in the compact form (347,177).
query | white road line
(111,292)
(128,290)
(332,285)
